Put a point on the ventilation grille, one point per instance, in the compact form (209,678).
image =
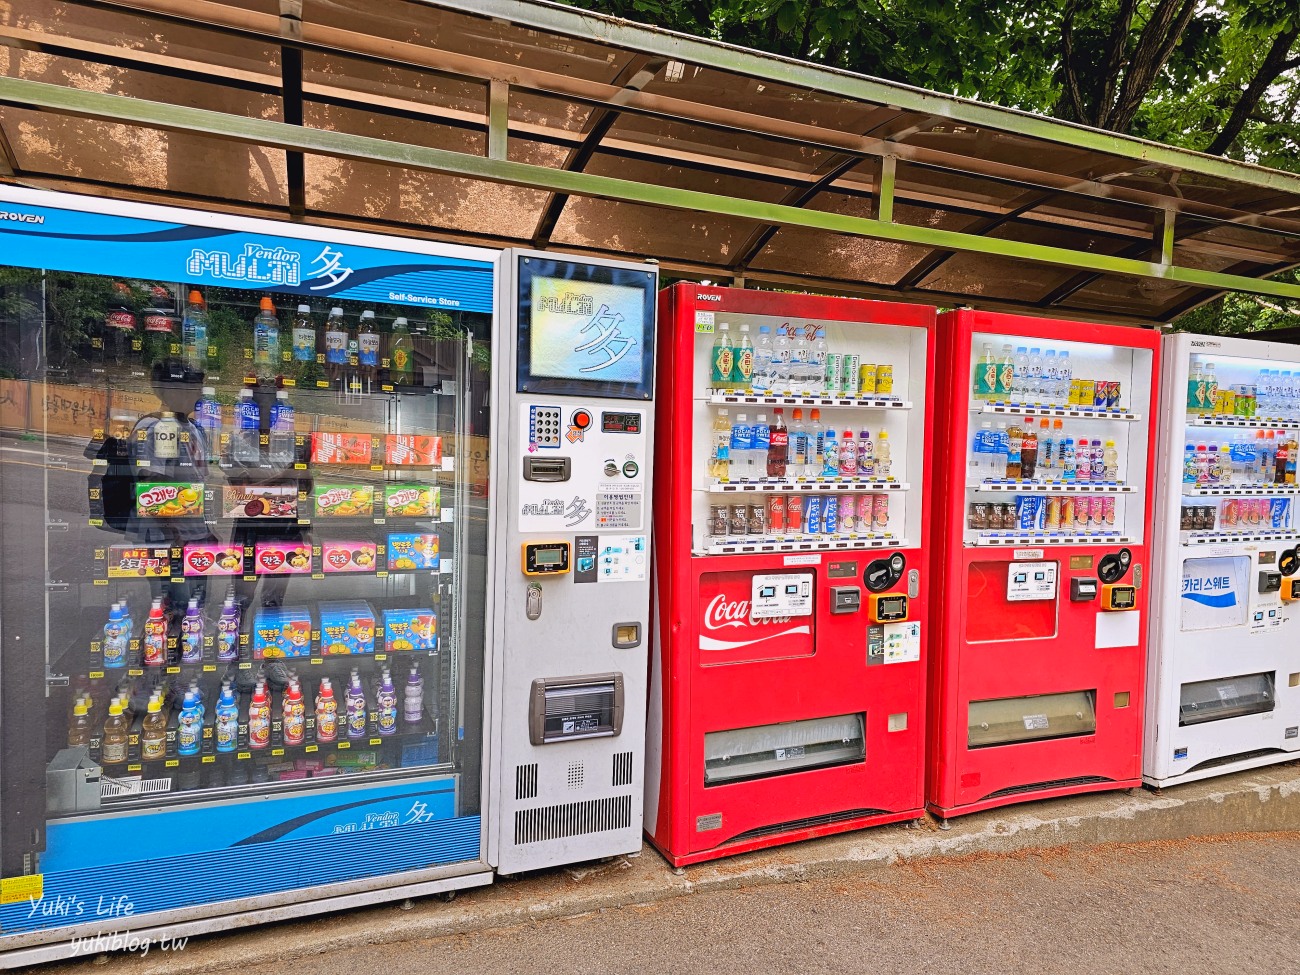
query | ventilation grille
(1239,757)
(808,822)
(623,768)
(526,781)
(577,775)
(572,819)
(132,785)
(1019,790)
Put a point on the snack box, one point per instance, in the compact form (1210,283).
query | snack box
(343,500)
(282,558)
(213,560)
(348,556)
(412,550)
(138,562)
(282,631)
(347,627)
(410,629)
(169,499)
(406,450)
(342,448)
(259,501)
(412,501)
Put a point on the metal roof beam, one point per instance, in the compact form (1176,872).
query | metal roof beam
(40,96)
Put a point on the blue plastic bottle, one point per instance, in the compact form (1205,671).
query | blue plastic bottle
(830,454)
(116,637)
(227,720)
(209,419)
(189,733)
(248,419)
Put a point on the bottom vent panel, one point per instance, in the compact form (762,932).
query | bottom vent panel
(572,819)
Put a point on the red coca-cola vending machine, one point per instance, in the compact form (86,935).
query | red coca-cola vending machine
(1045,468)
(788,667)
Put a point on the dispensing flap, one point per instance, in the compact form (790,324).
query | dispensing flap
(1008,720)
(1227,697)
(791,746)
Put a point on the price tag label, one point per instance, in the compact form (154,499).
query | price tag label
(172,763)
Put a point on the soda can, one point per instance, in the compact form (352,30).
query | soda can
(758,518)
(1107,510)
(812,518)
(1256,511)
(1187,518)
(1230,513)
(979,516)
(1227,405)
(831,515)
(880,512)
(867,377)
(717,520)
(1067,513)
(1113,394)
(834,373)
(1099,394)
(884,380)
(1074,391)
(1279,512)
(865,508)
(849,384)
(776,514)
(1027,508)
(739,519)
(794,514)
(1208,512)
(1008,515)
(848,515)
(1082,514)
(1087,392)
(1052,522)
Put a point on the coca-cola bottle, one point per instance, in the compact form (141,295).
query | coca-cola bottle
(778,446)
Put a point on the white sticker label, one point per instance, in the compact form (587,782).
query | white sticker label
(803,560)
(704,322)
(1035,722)
(1027,553)
(902,642)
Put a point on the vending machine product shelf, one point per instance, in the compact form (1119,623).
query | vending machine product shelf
(788,665)
(1224,678)
(1036,688)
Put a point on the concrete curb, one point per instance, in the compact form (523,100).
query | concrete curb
(1262,800)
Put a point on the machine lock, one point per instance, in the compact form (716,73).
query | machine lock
(889,607)
(1116,598)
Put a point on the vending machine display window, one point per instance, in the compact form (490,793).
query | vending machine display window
(243,531)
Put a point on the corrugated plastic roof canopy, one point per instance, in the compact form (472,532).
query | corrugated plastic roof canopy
(517,121)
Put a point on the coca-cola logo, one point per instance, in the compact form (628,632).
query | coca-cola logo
(158,495)
(723,612)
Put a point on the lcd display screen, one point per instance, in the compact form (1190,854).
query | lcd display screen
(585,329)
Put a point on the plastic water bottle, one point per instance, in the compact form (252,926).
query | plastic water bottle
(817,371)
(1069,465)
(799,464)
(248,420)
(266,340)
(116,638)
(189,733)
(1064,378)
(848,455)
(720,452)
(192,634)
(740,448)
(764,377)
(1050,384)
(208,418)
(282,429)
(1265,400)
(884,457)
(782,350)
(980,453)
(194,332)
(984,383)
(304,335)
(1287,388)
(1035,381)
(760,443)
(1189,464)
(413,699)
(721,359)
(1020,389)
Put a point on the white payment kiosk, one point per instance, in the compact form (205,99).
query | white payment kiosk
(572,467)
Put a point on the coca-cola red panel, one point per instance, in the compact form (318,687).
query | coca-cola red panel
(786,702)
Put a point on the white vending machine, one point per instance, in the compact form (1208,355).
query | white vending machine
(572,544)
(1224,666)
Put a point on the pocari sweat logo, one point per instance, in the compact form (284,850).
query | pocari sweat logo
(1210,590)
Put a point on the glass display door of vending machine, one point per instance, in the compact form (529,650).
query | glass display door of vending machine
(243,546)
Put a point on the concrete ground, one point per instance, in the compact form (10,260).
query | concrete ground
(1091,880)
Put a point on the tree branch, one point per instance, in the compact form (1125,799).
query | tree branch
(1156,42)
(1068,72)
(1116,49)
(1274,64)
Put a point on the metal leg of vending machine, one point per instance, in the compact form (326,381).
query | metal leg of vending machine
(1224,677)
(573,559)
